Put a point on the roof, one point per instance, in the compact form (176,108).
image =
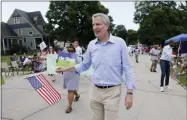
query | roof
(34,19)
(30,17)
(6,30)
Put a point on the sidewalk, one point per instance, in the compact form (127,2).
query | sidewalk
(21,102)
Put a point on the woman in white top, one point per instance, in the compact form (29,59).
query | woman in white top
(52,51)
(78,49)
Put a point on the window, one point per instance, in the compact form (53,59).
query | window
(9,42)
(25,40)
(16,20)
(5,40)
(35,18)
(19,32)
(31,43)
(20,42)
(30,33)
(1,45)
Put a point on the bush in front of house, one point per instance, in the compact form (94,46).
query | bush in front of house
(16,48)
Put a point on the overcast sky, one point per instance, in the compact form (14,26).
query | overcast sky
(122,12)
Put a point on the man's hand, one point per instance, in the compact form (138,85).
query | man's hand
(59,70)
(128,101)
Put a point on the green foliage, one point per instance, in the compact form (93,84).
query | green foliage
(132,37)
(120,31)
(72,19)
(159,20)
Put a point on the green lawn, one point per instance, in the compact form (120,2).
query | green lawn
(6,58)
(181,78)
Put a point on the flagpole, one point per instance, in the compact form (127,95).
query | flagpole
(179,47)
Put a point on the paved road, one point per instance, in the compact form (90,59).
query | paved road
(21,102)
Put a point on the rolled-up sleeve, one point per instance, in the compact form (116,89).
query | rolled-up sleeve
(127,67)
(85,65)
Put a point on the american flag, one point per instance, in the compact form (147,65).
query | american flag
(44,88)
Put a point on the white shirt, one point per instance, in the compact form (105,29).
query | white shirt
(154,52)
(137,51)
(78,50)
(129,49)
(167,53)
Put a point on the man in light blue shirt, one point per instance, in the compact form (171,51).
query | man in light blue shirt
(109,58)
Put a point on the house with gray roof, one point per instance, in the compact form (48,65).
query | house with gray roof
(24,28)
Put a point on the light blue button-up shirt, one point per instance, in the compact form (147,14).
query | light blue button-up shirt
(109,60)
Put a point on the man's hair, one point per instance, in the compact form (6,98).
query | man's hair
(171,41)
(104,17)
(76,40)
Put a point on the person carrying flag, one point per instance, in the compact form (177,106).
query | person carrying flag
(108,56)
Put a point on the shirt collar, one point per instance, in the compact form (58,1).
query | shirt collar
(110,40)
(169,47)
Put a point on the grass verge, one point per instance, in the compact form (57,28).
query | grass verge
(181,78)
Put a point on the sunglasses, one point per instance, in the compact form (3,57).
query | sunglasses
(70,50)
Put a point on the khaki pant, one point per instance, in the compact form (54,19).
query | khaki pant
(136,57)
(154,65)
(104,103)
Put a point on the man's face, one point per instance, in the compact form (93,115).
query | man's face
(172,44)
(99,27)
(75,44)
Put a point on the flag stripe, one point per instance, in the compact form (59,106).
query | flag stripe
(50,94)
(47,96)
(42,94)
(46,83)
(56,93)
(51,89)
(45,90)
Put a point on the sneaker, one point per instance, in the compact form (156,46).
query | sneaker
(161,89)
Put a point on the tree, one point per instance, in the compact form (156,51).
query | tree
(72,19)
(183,15)
(132,37)
(120,31)
(158,21)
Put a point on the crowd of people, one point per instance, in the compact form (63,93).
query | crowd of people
(166,57)
(38,61)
